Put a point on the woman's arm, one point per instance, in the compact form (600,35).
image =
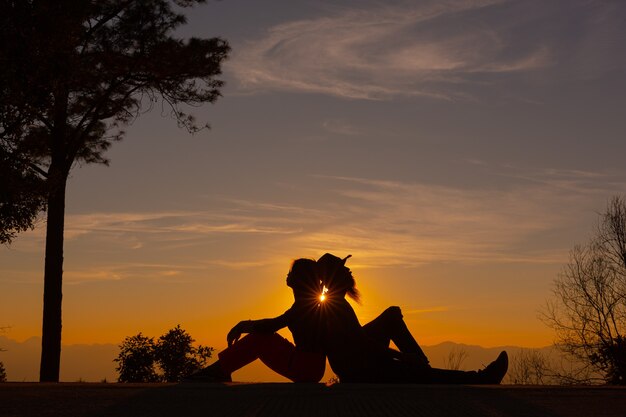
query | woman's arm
(256,326)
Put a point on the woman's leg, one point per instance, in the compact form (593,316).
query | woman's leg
(492,374)
(393,371)
(390,326)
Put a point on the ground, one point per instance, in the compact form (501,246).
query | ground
(284,399)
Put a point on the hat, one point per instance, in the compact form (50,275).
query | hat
(329,263)
(328,267)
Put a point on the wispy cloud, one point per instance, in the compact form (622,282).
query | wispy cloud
(117,270)
(383,51)
(170,223)
(404,224)
(382,222)
(428,48)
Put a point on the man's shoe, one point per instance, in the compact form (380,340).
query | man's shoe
(495,371)
(212,373)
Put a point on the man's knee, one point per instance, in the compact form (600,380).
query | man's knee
(264,338)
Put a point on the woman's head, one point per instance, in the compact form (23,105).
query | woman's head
(303,278)
(337,277)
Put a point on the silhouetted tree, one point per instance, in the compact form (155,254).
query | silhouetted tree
(22,197)
(529,367)
(177,357)
(169,359)
(3,373)
(72,75)
(588,307)
(135,362)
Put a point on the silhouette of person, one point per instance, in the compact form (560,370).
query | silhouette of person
(303,362)
(362,354)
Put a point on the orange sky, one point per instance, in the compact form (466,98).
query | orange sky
(458,150)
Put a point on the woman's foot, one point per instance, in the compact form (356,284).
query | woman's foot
(495,371)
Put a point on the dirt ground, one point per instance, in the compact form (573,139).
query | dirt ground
(284,399)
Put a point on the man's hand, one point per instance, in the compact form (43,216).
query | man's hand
(235,333)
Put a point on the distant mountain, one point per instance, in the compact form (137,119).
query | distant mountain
(94,363)
(476,356)
(78,362)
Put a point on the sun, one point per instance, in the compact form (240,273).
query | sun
(323,295)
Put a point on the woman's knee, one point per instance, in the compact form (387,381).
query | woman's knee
(393,313)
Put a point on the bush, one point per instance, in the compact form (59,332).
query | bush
(3,373)
(169,359)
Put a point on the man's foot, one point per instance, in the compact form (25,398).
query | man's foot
(495,371)
(212,373)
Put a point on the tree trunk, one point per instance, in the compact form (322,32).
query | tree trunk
(53,279)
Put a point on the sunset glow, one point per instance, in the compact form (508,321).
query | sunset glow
(458,150)
(323,295)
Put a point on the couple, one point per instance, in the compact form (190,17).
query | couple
(323,324)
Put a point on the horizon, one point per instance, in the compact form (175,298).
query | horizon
(458,151)
(89,362)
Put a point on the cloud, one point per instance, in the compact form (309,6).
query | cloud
(407,224)
(173,224)
(385,51)
(437,49)
(532,219)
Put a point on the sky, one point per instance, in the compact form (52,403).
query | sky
(457,149)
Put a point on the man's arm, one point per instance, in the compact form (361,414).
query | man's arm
(256,326)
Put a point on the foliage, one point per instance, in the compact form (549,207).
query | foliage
(22,197)
(136,360)
(3,373)
(73,74)
(588,307)
(612,358)
(169,359)
(177,357)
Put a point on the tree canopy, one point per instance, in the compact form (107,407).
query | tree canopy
(111,60)
(22,197)
(73,74)
(588,307)
(168,359)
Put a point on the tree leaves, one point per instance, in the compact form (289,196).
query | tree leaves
(168,359)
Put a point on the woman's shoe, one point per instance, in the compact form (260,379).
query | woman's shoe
(495,371)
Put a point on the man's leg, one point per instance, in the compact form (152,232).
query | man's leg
(270,347)
(277,353)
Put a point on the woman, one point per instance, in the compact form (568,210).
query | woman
(362,354)
(303,362)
